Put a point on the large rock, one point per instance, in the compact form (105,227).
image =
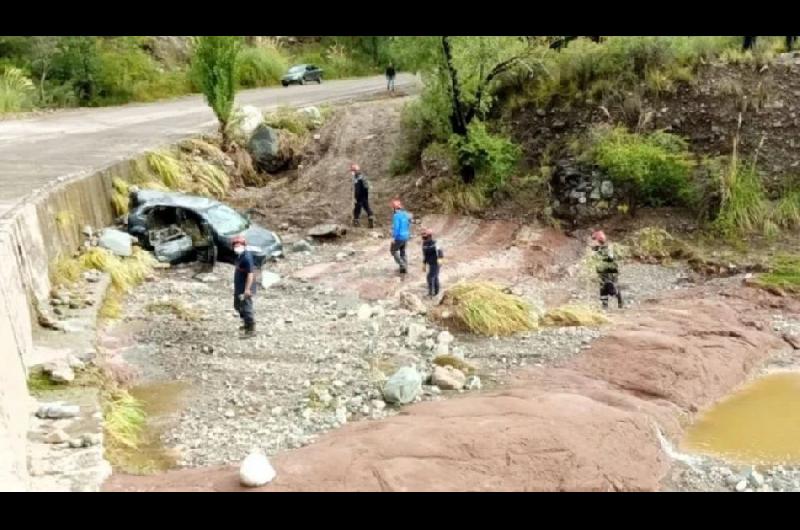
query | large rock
(443,342)
(244,123)
(327,230)
(313,115)
(448,378)
(416,332)
(59,372)
(412,302)
(273,150)
(55,411)
(302,246)
(268,279)
(117,241)
(404,386)
(256,470)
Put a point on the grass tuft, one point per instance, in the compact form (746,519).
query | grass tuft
(485,309)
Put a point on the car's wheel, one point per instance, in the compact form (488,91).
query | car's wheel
(302,80)
(285,83)
(319,80)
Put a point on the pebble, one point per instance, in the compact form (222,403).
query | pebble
(58,436)
(256,470)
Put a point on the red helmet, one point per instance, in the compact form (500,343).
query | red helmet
(427,233)
(599,236)
(396,204)
(238,240)
(355,167)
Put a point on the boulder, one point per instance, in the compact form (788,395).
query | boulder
(268,279)
(244,123)
(256,470)
(117,241)
(415,334)
(412,302)
(273,150)
(448,378)
(403,386)
(302,246)
(473,383)
(327,230)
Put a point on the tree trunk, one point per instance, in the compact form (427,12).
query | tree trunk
(790,43)
(458,123)
(749,43)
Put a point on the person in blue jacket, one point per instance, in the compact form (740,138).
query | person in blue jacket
(401,232)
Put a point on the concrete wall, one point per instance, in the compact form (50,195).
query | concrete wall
(30,238)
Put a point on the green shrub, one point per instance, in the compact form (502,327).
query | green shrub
(652,169)
(492,155)
(744,207)
(214,69)
(257,67)
(16,91)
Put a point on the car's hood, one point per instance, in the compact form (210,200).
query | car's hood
(262,241)
(292,76)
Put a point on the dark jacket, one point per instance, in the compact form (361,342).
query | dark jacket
(390,72)
(431,253)
(360,187)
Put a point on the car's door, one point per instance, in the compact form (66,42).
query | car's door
(311,73)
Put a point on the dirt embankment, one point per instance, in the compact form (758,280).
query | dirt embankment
(589,425)
(704,112)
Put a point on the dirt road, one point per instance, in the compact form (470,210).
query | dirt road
(35,152)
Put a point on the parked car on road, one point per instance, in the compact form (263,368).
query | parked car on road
(192,221)
(301,74)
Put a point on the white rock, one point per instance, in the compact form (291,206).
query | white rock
(473,383)
(377,404)
(58,411)
(414,334)
(364,312)
(256,470)
(229,413)
(75,363)
(302,246)
(412,302)
(117,241)
(741,485)
(58,436)
(341,415)
(244,122)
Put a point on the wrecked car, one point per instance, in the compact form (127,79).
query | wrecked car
(178,228)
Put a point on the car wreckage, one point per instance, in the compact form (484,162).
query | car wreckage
(179,228)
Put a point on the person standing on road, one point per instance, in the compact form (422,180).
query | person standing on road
(244,285)
(608,270)
(361,196)
(401,232)
(432,259)
(390,75)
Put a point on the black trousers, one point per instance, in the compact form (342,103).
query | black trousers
(433,279)
(362,203)
(399,254)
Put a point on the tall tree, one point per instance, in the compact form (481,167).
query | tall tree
(461,75)
(215,63)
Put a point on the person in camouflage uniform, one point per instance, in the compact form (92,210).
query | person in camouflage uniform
(607,270)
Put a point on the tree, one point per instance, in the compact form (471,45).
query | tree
(43,52)
(749,43)
(461,75)
(790,43)
(215,66)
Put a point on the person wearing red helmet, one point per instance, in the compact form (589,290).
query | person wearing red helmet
(432,259)
(401,233)
(607,269)
(361,196)
(244,285)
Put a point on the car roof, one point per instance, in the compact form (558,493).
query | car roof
(178,200)
(298,65)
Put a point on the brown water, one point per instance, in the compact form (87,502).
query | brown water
(760,424)
(161,403)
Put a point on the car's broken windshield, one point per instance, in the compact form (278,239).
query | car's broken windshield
(225,220)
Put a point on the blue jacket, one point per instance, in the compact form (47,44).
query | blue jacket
(401,226)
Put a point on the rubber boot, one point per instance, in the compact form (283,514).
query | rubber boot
(619,299)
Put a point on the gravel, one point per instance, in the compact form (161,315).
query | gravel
(318,361)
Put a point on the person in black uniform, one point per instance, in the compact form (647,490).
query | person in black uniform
(361,196)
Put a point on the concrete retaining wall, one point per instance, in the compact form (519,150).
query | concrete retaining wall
(31,236)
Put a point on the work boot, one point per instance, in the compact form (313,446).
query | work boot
(356,222)
(371,222)
(249,331)
(619,301)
